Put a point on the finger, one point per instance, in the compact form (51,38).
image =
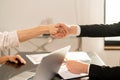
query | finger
(54,36)
(20,59)
(59,25)
(56,29)
(59,36)
(64,28)
(13,60)
(54,32)
(63,32)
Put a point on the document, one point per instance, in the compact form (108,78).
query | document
(77,56)
(63,71)
(36,58)
(65,74)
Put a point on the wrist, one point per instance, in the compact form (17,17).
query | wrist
(44,29)
(73,30)
(50,28)
(86,67)
(7,58)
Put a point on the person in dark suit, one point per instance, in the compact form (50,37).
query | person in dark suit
(95,72)
(95,30)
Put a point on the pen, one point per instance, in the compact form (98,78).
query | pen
(65,60)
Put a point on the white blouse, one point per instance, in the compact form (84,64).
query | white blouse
(8,40)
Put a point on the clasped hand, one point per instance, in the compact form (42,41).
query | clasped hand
(62,30)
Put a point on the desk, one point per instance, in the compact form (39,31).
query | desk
(9,70)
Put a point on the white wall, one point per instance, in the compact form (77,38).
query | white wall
(17,14)
(92,12)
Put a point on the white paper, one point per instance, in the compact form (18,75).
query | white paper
(78,56)
(36,58)
(65,74)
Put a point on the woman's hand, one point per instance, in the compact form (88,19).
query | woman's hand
(16,59)
(52,29)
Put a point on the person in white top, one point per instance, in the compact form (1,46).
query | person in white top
(13,39)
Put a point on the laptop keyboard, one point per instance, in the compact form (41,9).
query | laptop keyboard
(23,76)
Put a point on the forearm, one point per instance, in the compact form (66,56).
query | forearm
(3,59)
(100,30)
(26,34)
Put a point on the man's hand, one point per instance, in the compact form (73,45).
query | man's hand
(63,30)
(77,67)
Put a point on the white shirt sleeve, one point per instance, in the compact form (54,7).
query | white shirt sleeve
(78,30)
(88,68)
(8,40)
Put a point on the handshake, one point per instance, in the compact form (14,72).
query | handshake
(61,30)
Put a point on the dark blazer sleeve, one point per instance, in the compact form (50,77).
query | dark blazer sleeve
(104,72)
(102,30)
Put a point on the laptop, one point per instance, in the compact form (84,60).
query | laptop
(50,65)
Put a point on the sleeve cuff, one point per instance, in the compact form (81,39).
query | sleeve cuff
(78,30)
(88,69)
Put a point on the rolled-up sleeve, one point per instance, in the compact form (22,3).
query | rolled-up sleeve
(8,40)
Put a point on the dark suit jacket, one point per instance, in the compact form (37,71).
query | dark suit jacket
(100,30)
(102,72)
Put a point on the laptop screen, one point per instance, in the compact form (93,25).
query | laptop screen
(50,64)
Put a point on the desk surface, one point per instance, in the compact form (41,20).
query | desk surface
(9,70)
